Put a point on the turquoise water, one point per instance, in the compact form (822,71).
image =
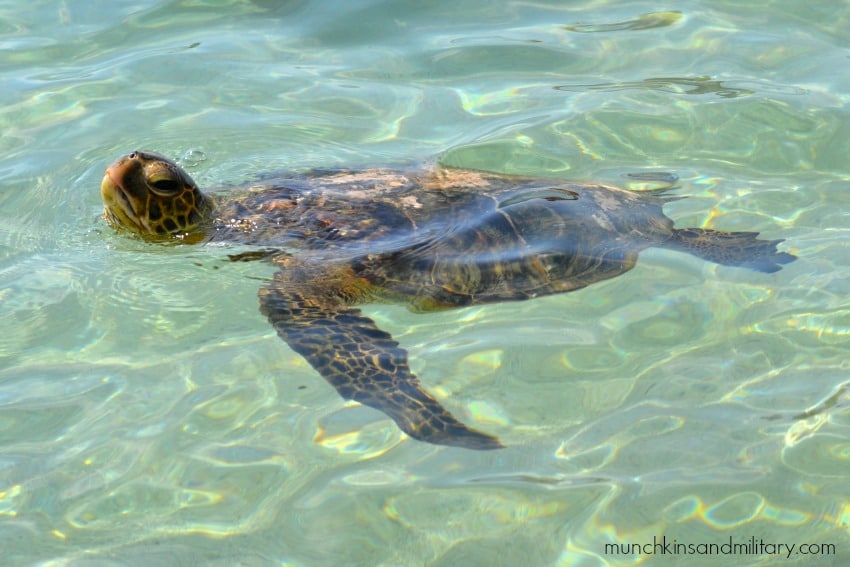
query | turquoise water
(150,416)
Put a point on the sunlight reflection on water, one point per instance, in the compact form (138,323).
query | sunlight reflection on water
(150,415)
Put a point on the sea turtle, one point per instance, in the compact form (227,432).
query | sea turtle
(433,239)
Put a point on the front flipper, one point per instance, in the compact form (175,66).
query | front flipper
(360,360)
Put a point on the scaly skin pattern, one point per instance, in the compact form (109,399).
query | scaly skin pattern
(432,239)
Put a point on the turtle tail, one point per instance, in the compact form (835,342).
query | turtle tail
(740,249)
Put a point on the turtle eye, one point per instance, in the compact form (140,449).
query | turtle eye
(165,185)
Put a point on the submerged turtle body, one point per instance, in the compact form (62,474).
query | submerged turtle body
(434,239)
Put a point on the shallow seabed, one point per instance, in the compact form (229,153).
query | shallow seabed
(150,416)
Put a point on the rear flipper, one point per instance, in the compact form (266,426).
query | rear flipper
(741,249)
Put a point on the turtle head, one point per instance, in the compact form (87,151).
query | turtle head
(150,195)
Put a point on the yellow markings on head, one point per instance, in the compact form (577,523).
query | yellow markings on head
(152,196)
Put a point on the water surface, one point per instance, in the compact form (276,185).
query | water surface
(150,416)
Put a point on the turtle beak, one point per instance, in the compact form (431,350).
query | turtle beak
(116,171)
(117,195)
(119,171)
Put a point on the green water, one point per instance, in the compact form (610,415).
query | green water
(150,416)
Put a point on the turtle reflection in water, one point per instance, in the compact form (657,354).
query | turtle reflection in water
(434,239)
